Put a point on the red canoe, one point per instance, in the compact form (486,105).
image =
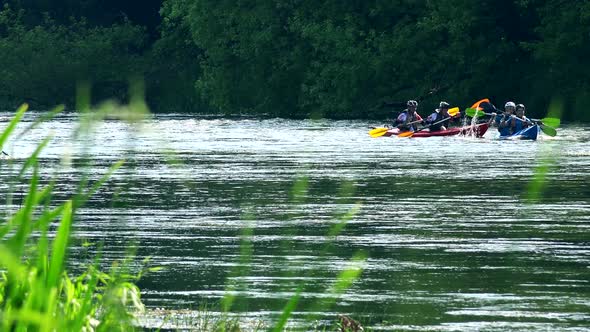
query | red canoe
(478,130)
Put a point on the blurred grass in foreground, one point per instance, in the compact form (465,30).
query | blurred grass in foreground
(547,160)
(37,292)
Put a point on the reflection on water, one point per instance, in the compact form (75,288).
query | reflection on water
(451,243)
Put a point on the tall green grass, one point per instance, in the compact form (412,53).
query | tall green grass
(37,292)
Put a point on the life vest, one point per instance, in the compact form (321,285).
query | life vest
(404,118)
(518,125)
(507,129)
(435,117)
(497,121)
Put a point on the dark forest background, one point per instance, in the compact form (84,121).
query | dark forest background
(298,58)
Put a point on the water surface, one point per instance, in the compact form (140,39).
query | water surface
(450,239)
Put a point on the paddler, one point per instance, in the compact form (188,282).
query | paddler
(502,121)
(442,112)
(520,121)
(407,119)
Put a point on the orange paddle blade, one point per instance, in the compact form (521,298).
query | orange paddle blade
(476,105)
(406,134)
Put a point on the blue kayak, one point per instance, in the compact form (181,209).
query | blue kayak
(529,133)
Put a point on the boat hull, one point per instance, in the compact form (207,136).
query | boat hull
(530,133)
(477,130)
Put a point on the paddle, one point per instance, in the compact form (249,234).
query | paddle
(378,132)
(548,130)
(476,105)
(4,153)
(452,112)
(411,133)
(551,122)
(472,112)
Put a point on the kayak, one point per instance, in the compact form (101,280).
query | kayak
(529,133)
(478,130)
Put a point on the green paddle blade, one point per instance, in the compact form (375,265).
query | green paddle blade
(472,112)
(551,122)
(550,131)
(377,132)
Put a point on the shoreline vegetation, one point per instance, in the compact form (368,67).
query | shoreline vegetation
(297,60)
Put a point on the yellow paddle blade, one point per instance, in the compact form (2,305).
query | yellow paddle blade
(377,132)
(453,111)
(406,134)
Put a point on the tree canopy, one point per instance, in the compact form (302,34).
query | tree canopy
(300,58)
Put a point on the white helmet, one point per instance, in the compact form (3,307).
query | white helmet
(444,104)
(510,104)
(412,103)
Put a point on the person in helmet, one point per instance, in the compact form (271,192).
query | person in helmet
(436,118)
(505,127)
(499,120)
(519,121)
(408,118)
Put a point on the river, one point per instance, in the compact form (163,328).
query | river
(452,234)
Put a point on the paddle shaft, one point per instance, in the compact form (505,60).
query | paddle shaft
(452,112)
(432,124)
(522,120)
(512,116)
(409,123)
(517,118)
(376,132)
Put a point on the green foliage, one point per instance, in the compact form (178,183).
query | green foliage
(304,58)
(561,52)
(335,59)
(44,63)
(173,69)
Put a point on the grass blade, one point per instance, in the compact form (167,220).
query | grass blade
(10,128)
(60,244)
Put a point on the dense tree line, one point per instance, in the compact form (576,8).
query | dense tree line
(300,58)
